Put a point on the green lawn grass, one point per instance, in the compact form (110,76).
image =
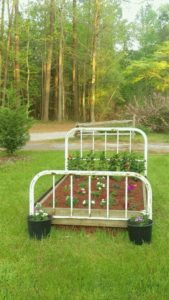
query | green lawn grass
(158,137)
(73,265)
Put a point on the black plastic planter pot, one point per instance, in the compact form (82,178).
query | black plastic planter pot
(140,234)
(39,229)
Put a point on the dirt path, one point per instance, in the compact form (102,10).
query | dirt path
(50,131)
(43,136)
(59,145)
(51,127)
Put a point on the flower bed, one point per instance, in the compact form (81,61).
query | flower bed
(98,193)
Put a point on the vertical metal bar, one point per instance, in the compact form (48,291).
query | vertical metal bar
(117,142)
(149,199)
(126,196)
(130,142)
(71,195)
(105,143)
(81,143)
(108,196)
(89,195)
(93,139)
(53,193)
(31,196)
(66,152)
(145,196)
(145,154)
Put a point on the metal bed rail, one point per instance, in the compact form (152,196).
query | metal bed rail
(105,132)
(126,175)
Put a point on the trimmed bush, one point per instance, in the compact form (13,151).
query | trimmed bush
(14,126)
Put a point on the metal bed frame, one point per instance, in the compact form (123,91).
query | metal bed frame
(90,214)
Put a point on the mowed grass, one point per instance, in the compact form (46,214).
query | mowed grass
(73,265)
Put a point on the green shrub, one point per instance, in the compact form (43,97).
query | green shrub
(14,125)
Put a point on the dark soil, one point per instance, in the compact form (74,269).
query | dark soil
(98,193)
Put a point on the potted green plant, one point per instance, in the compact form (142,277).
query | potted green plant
(39,224)
(140,229)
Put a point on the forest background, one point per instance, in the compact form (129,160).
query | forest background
(81,60)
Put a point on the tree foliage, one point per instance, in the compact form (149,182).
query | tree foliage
(72,59)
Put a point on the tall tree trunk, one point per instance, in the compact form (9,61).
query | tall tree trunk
(56,94)
(8,44)
(43,84)
(1,39)
(94,52)
(27,64)
(84,95)
(45,115)
(74,67)
(60,80)
(16,59)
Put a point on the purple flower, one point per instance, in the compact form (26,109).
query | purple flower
(138,219)
(131,187)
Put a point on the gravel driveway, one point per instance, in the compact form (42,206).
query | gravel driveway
(48,141)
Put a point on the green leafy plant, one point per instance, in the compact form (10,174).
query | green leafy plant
(131,162)
(113,193)
(90,161)
(117,178)
(112,199)
(114,162)
(103,202)
(83,184)
(140,220)
(68,201)
(14,125)
(123,162)
(102,162)
(95,193)
(39,214)
(137,165)
(74,162)
(67,188)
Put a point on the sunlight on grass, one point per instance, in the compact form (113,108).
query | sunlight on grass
(78,265)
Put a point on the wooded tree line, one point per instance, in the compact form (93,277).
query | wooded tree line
(79,59)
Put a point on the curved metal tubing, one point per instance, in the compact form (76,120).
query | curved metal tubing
(92,173)
(105,131)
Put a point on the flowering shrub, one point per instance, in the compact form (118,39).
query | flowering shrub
(39,214)
(139,220)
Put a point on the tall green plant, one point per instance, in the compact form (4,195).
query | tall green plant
(14,126)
